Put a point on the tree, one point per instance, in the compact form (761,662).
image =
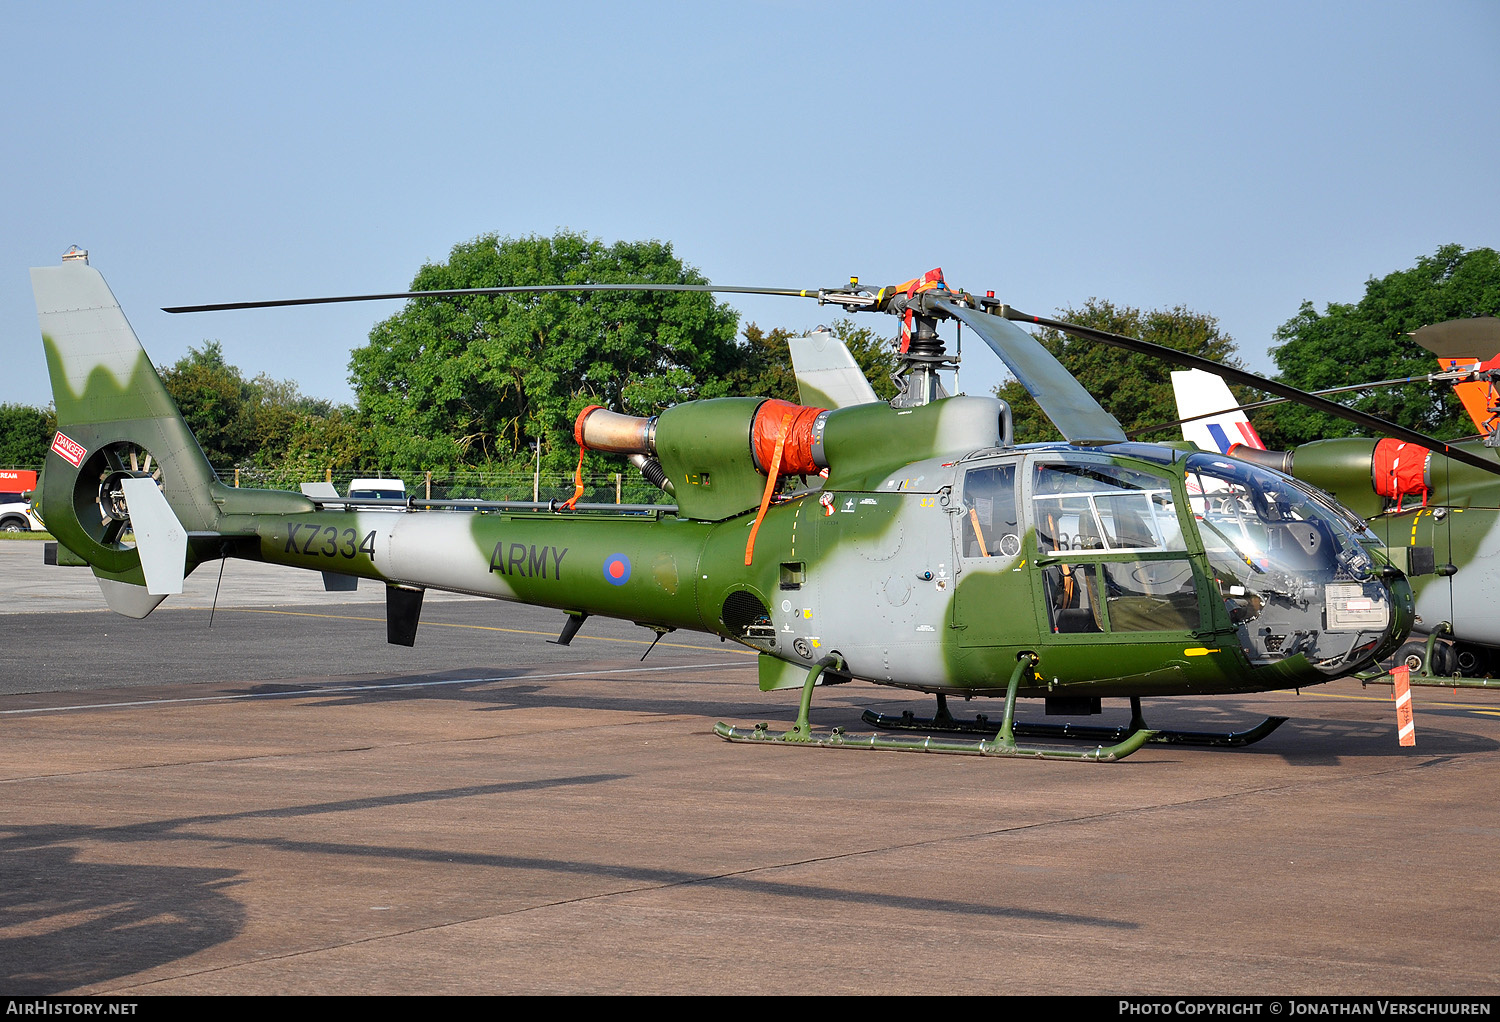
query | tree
(473,380)
(764,363)
(1368,341)
(210,394)
(262,423)
(25,433)
(1135,389)
(763,367)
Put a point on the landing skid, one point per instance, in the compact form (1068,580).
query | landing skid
(1000,740)
(838,739)
(981,725)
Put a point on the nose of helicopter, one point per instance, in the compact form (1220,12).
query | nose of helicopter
(1372,615)
(1302,575)
(1403,615)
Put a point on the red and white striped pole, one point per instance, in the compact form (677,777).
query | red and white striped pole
(1406,727)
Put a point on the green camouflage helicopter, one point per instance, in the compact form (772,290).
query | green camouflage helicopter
(929,551)
(1438,517)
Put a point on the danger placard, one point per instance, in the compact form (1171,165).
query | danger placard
(69,450)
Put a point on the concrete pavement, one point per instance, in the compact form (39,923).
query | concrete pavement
(285,804)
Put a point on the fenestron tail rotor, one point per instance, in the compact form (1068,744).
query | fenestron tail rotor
(101,484)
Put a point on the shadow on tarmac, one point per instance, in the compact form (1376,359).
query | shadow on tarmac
(73,924)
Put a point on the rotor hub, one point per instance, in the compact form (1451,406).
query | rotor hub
(112,494)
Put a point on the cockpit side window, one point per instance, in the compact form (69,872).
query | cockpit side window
(991,525)
(1104,508)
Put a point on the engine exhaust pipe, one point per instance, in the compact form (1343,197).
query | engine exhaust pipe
(600,429)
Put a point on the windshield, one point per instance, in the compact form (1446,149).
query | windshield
(1288,564)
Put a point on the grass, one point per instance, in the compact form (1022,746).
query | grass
(23,536)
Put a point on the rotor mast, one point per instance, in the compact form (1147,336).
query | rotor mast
(922,353)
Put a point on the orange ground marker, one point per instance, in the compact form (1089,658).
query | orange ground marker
(1406,726)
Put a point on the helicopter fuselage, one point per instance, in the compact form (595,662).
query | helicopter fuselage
(929,552)
(937,576)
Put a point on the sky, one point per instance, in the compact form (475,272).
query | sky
(1235,159)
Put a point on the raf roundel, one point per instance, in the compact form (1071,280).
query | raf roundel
(617,569)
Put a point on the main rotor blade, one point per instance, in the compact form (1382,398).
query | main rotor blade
(1370,422)
(1454,376)
(1065,401)
(522,289)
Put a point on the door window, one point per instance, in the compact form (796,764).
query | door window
(991,519)
(1103,507)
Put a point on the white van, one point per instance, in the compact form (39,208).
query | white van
(16,514)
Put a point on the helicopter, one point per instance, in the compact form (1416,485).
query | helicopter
(1438,519)
(912,543)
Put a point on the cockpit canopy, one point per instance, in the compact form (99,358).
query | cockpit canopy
(1114,544)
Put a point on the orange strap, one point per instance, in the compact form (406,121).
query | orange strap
(978,532)
(577,484)
(773,475)
(578,472)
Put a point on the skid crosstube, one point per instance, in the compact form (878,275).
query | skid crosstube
(1001,741)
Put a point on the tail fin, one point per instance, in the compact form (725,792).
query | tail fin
(1200,393)
(1472,344)
(1479,397)
(827,375)
(117,428)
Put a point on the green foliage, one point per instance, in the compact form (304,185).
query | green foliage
(264,424)
(1368,341)
(763,366)
(211,395)
(474,380)
(1135,389)
(25,433)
